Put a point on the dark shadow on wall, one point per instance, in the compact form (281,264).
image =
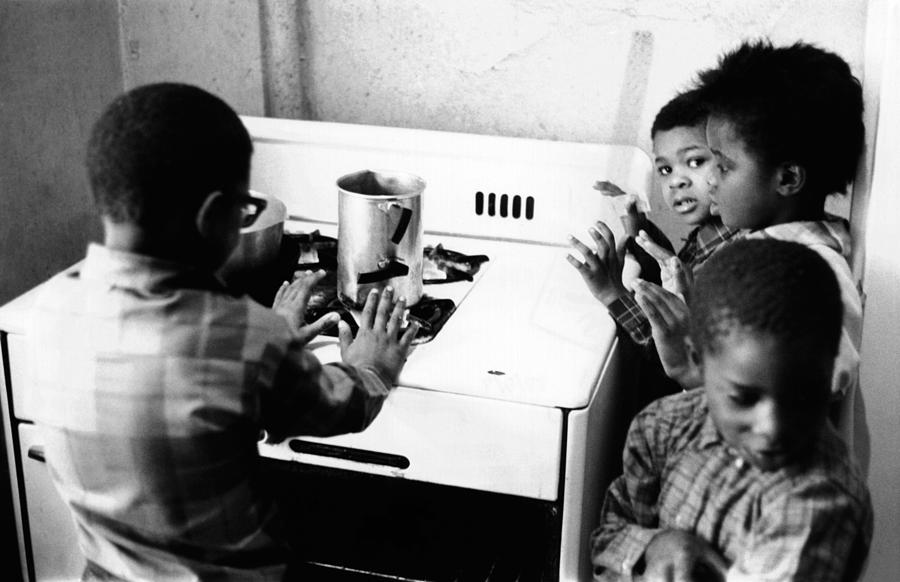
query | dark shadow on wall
(59,66)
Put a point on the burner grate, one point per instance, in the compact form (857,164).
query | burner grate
(313,251)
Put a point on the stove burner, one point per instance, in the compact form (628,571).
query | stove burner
(313,251)
(450,265)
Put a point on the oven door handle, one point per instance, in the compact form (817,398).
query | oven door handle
(37,453)
(349,454)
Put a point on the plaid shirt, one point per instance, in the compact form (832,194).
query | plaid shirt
(810,521)
(699,245)
(831,239)
(152,386)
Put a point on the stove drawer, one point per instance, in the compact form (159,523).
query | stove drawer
(434,437)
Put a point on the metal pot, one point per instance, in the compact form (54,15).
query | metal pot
(258,245)
(379,235)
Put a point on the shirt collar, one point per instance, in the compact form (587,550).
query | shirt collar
(131,270)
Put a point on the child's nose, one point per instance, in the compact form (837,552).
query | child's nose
(769,423)
(712,178)
(678,181)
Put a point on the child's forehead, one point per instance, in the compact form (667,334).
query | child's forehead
(679,138)
(764,359)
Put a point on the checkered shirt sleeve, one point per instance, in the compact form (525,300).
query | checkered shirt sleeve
(629,517)
(629,316)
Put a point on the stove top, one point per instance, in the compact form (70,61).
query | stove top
(525,330)
(311,251)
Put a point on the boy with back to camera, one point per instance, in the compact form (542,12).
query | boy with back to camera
(744,480)
(683,162)
(153,383)
(786,128)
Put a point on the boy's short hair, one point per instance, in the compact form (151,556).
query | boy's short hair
(796,103)
(686,109)
(768,286)
(164,147)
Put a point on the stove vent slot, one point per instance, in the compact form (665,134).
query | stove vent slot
(503,205)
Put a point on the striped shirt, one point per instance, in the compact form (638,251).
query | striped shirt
(151,386)
(809,521)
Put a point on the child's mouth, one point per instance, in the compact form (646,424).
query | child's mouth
(684,205)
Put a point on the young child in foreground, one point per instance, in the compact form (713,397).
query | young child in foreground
(683,162)
(153,382)
(744,479)
(786,128)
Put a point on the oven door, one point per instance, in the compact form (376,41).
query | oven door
(448,439)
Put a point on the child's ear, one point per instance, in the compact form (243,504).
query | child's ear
(208,217)
(791,178)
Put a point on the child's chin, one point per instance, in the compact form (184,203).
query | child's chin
(766,462)
(697,219)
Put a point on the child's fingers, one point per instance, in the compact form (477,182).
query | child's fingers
(279,295)
(303,287)
(683,279)
(654,250)
(368,313)
(345,336)
(658,304)
(590,259)
(396,318)
(385,306)
(575,263)
(409,335)
(608,240)
(307,332)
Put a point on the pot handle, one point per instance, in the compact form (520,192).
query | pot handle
(393,268)
(402,224)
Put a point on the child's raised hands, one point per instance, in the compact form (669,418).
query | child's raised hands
(600,269)
(291,301)
(380,342)
(673,274)
(670,323)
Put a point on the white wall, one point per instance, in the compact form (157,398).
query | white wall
(575,70)
(878,225)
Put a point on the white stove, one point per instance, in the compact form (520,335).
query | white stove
(519,393)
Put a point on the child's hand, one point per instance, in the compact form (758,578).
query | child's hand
(633,220)
(291,300)
(675,555)
(670,322)
(675,277)
(377,343)
(601,270)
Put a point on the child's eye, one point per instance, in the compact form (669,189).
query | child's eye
(695,163)
(664,170)
(722,169)
(742,398)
